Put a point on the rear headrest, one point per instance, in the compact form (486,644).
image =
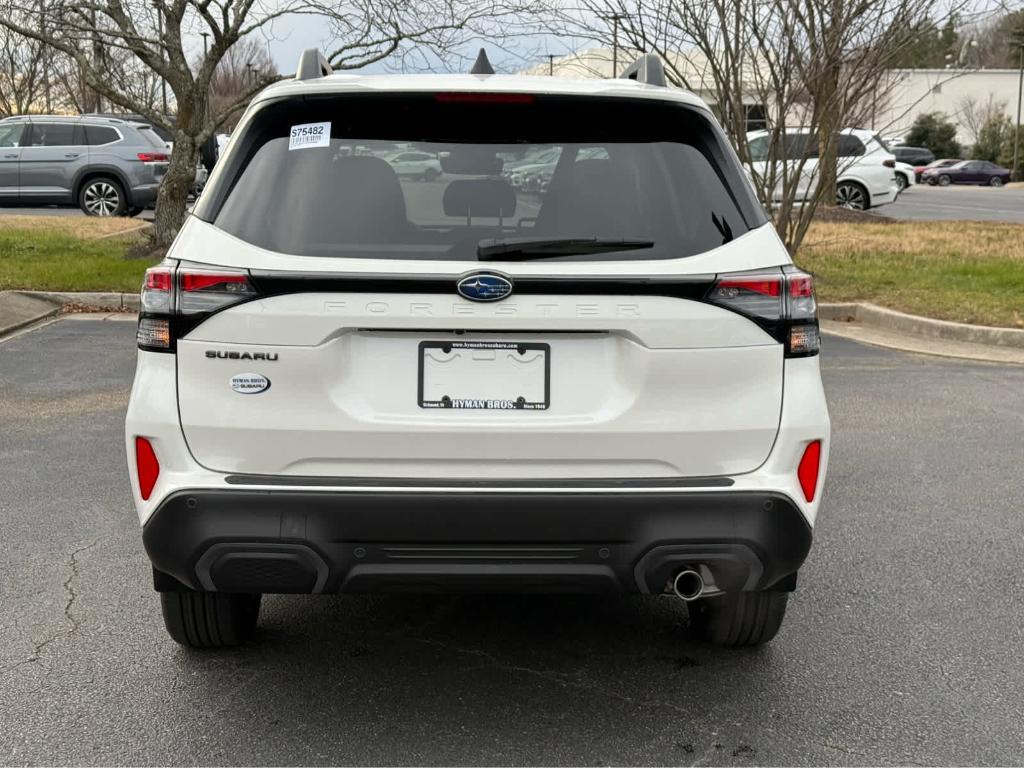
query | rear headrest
(493,198)
(595,197)
(367,204)
(370,182)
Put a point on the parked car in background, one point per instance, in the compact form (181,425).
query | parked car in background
(865,173)
(106,166)
(945,162)
(905,176)
(968,172)
(913,155)
(534,172)
(134,117)
(202,169)
(418,165)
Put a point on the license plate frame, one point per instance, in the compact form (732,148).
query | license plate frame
(451,402)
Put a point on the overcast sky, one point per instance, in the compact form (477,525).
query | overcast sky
(291,35)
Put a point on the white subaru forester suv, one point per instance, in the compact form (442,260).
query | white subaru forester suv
(350,381)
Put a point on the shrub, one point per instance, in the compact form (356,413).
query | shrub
(934,131)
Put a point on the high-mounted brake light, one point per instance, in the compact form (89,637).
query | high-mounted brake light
(175,301)
(781,301)
(477,97)
(147,467)
(807,470)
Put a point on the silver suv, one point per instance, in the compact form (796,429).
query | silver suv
(106,166)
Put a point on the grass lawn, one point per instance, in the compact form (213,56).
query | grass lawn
(971,272)
(51,253)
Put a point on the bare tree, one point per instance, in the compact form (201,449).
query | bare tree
(163,37)
(974,114)
(814,64)
(22,74)
(245,62)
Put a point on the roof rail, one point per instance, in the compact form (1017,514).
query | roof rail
(482,65)
(646,69)
(312,64)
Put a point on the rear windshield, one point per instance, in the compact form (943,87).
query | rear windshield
(436,176)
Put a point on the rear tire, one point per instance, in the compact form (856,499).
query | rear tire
(852,196)
(102,196)
(209,619)
(739,619)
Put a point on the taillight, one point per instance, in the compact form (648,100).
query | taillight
(176,301)
(152,157)
(807,469)
(146,465)
(781,301)
(754,294)
(889,163)
(201,292)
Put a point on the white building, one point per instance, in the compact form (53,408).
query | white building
(955,92)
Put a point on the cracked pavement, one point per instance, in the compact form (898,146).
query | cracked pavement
(901,646)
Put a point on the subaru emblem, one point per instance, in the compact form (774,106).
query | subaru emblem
(484,287)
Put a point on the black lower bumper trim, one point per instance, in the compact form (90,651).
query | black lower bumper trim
(333,541)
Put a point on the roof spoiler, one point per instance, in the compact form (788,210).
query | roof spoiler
(647,69)
(312,64)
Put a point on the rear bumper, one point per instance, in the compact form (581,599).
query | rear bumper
(144,195)
(291,541)
(885,196)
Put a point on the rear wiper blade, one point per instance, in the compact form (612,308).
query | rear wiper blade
(524,248)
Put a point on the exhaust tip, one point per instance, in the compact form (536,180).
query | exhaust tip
(688,585)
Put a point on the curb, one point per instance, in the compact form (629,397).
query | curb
(114,302)
(900,322)
(18,309)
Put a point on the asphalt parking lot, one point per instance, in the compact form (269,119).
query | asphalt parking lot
(958,203)
(902,644)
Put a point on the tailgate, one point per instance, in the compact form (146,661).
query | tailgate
(618,386)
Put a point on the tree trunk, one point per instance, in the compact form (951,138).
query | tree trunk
(828,132)
(172,199)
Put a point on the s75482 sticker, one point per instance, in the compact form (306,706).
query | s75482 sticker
(309,135)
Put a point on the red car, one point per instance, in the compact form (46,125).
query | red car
(920,169)
(968,172)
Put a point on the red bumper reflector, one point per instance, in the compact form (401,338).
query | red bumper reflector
(147,465)
(807,472)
